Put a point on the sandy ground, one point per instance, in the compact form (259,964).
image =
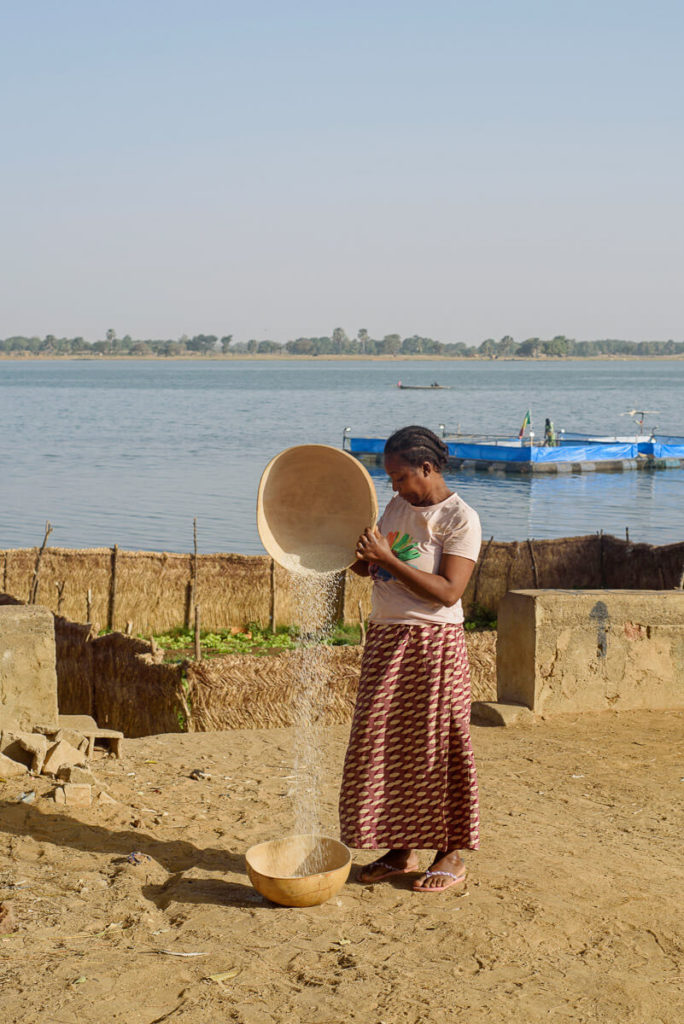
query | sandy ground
(573,910)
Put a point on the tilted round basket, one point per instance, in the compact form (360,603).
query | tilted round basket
(313,503)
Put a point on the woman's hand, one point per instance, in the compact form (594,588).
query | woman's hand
(373,547)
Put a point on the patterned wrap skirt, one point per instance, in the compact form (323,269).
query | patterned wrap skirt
(409,776)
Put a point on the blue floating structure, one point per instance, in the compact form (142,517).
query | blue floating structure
(571,453)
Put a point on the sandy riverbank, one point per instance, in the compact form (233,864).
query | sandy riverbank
(573,909)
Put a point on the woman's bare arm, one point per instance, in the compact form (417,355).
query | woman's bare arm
(445,587)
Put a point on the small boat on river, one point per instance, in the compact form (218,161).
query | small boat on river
(424,387)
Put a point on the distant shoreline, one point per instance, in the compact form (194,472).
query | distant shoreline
(277,357)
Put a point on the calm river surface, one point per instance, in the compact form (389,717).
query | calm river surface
(129,452)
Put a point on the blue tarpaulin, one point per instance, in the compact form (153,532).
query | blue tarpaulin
(368,445)
(488,452)
(668,451)
(585,453)
(589,452)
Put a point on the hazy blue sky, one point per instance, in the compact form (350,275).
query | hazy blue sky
(274,169)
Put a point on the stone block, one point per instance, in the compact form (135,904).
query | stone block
(74,795)
(81,723)
(11,769)
(87,726)
(83,776)
(591,650)
(77,795)
(28,676)
(52,732)
(35,745)
(62,755)
(76,739)
(11,747)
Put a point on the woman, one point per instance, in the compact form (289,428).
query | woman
(409,775)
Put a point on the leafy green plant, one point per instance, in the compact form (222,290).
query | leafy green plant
(253,639)
(480,619)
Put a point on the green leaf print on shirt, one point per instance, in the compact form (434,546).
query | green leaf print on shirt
(403,547)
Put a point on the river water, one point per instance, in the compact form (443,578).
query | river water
(128,452)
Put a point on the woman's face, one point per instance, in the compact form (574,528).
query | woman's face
(412,483)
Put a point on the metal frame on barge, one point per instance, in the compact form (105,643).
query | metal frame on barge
(572,454)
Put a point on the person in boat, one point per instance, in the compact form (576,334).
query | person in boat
(409,779)
(549,434)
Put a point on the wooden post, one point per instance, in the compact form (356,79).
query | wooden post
(534,565)
(4,574)
(191,587)
(187,617)
(194,560)
(89,605)
(198,643)
(112,589)
(362,625)
(513,558)
(272,612)
(33,591)
(480,563)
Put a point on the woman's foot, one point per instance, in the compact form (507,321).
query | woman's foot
(395,862)
(446,870)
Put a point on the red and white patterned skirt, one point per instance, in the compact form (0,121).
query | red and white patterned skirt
(409,774)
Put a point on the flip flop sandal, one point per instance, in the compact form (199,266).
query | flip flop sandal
(455,880)
(389,871)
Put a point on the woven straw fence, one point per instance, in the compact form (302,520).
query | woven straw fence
(154,591)
(255,692)
(122,682)
(567,563)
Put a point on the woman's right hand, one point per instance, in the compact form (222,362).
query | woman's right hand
(372,546)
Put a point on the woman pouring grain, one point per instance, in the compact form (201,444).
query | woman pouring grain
(409,778)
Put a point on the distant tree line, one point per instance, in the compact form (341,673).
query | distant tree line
(338,343)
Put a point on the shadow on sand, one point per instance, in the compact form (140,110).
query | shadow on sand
(175,856)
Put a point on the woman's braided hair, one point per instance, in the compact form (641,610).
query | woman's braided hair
(416,445)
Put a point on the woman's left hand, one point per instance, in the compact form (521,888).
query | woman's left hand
(373,547)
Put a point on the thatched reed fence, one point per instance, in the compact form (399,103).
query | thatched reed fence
(124,684)
(119,680)
(146,592)
(256,692)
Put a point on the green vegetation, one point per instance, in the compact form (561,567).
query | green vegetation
(179,643)
(337,343)
(480,620)
(252,640)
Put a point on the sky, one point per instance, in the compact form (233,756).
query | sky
(278,169)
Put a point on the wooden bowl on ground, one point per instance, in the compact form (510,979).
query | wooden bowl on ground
(313,503)
(299,871)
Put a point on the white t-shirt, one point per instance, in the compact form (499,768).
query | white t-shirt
(420,536)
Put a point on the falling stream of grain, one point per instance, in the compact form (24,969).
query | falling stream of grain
(314,597)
